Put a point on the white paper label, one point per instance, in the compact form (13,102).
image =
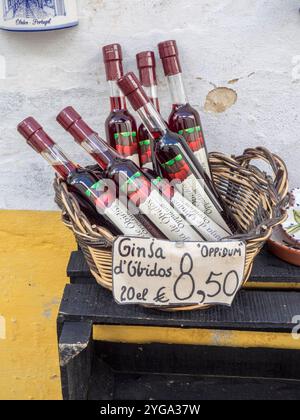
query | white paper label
(148,165)
(192,189)
(166,218)
(125,221)
(159,273)
(202,158)
(135,159)
(205,226)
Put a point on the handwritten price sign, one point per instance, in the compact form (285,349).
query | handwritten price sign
(159,273)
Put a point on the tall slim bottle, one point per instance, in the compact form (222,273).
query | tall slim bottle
(175,159)
(131,181)
(184,119)
(86,184)
(120,125)
(147,71)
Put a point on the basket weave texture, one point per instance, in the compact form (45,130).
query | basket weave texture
(256,198)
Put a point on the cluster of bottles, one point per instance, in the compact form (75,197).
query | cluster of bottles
(150,181)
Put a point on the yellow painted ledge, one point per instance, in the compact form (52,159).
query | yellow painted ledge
(193,336)
(35,248)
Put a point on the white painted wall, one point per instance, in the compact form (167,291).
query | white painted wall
(254,41)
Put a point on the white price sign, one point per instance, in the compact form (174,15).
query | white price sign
(162,273)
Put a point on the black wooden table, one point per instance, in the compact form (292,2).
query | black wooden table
(244,352)
(268,272)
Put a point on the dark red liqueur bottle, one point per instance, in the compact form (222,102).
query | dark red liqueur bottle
(184,119)
(91,187)
(120,125)
(134,188)
(176,160)
(147,71)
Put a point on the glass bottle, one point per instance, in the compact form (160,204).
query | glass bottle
(134,186)
(91,187)
(184,119)
(120,125)
(175,159)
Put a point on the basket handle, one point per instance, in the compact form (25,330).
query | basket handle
(279,183)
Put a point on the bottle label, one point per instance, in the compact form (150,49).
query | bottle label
(118,214)
(115,211)
(194,138)
(166,218)
(134,158)
(203,160)
(148,165)
(177,168)
(126,137)
(192,189)
(126,145)
(146,153)
(205,226)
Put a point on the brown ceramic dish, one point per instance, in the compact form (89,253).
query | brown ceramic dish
(283,251)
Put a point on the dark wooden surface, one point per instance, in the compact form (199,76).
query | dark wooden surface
(99,370)
(75,346)
(201,388)
(200,360)
(109,384)
(106,383)
(268,271)
(252,310)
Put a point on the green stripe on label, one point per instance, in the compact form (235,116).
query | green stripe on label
(125,134)
(97,187)
(157,180)
(190,130)
(145,143)
(131,180)
(172,162)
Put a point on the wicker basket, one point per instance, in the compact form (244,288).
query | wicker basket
(256,198)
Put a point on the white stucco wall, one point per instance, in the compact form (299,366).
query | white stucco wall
(253,42)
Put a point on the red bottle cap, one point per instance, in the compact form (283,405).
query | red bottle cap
(29,127)
(145,59)
(112,56)
(168,52)
(146,64)
(133,90)
(34,134)
(112,52)
(72,122)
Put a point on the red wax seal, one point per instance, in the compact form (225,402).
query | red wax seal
(133,90)
(72,122)
(146,64)
(169,55)
(112,56)
(34,134)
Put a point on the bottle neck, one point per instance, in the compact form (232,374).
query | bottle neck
(117,99)
(149,82)
(177,89)
(58,160)
(86,137)
(99,150)
(152,120)
(151,92)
